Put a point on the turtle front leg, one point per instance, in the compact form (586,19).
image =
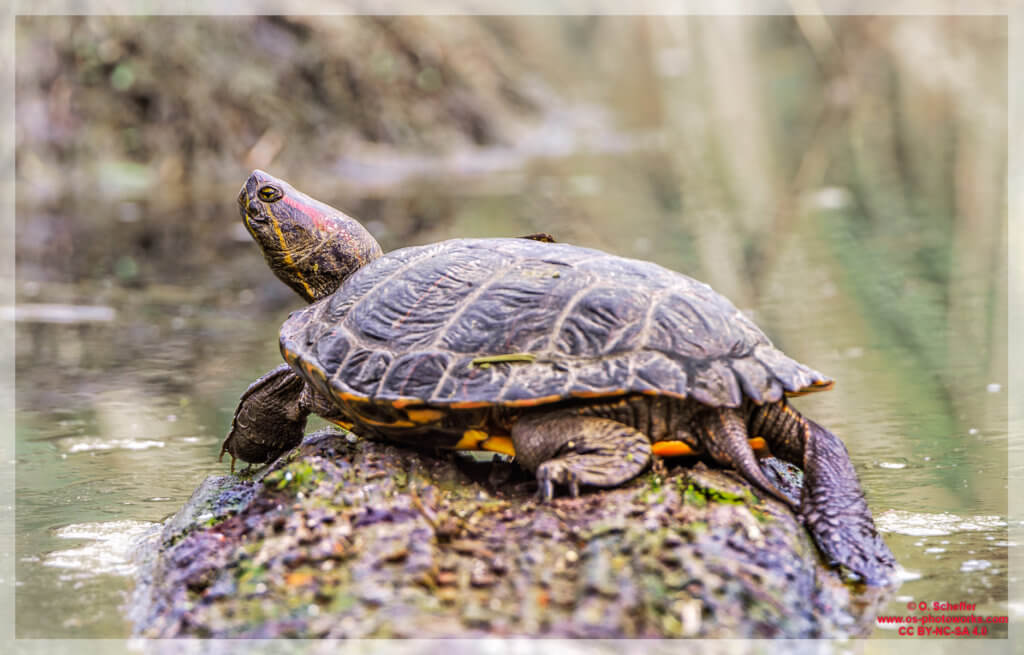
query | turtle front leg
(270,418)
(832,504)
(571,449)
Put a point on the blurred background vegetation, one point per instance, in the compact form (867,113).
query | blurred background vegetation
(841,178)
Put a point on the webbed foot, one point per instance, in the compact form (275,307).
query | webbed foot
(574,450)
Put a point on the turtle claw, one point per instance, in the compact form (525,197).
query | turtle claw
(548,474)
(220,458)
(574,485)
(545,489)
(556,471)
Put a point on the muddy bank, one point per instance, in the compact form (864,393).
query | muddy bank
(350,538)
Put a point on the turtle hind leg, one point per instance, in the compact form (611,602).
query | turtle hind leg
(834,510)
(723,431)
(571,449)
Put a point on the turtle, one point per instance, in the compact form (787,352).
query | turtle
(582,364)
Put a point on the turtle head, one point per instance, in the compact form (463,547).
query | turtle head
(311,246)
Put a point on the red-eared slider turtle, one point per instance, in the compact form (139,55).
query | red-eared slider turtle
(582,362)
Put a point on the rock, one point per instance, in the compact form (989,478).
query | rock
(366,539)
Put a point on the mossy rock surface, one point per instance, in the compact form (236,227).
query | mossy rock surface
(352,538)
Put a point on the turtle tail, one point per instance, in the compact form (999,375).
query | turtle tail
(724,434)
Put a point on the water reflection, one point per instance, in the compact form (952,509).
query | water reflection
(107,551)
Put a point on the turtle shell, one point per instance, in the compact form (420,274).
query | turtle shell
(515,322)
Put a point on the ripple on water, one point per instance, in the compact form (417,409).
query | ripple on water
(87,444)
(972,565)
(920,524)
(894,463)
(109,550)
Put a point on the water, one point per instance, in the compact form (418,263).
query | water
(117,424)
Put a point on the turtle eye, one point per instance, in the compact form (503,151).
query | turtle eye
(269,193)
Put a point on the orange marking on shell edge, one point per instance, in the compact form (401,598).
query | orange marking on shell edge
(757,443)
(342,424)
(671,448)
(402,403)
(472,404)
(531,402)
(812,388)
(351,397)
(386,424)
(660,392)
(597,394)
(424,415)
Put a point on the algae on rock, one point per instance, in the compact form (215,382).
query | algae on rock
(343,538)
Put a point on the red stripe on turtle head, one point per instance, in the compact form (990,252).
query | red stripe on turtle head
(310,246)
